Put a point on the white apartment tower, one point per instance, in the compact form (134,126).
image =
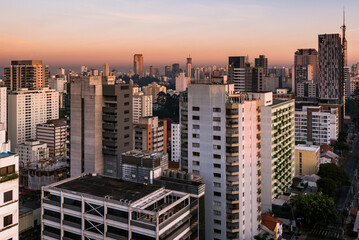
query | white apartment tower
(175,142)
(27,108)
(9,190)
(221,143)
(277,146)
(142,106)
(3,105)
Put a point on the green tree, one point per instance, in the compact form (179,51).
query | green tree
(327,186)
(315,208)
(263,236)
(332,171)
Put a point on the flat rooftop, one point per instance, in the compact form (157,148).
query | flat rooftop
(6,154)
(143,154)
(101,186)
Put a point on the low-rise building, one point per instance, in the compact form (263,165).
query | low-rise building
(32,151)
(307,159)
(98,207)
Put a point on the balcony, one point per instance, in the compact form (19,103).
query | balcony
(9,177)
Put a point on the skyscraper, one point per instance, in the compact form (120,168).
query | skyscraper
(105,70)
(221,142)
(168,71)
(240,73)
(262,61)
(101,125)
(175,70)
(31,74)
(3,106)
(189,67)
(138,64)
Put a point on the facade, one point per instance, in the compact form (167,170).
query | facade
(189,67)
(105,70)
(182,82)
(54,134)
(262,62)
(3,106)
(101,125)
(142,166)
(175,142)
(270,83)
(314,125)
(220,135)
(239,73)
(330,82)
(59,83)
(153,89)
(277,146)
(99,207)
(138,64)
(27,108)
(31,74)
(142,106)
(9,190)
(150,134)
(32,151)
(307,159)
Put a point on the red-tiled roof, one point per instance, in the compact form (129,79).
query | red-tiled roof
(270,222)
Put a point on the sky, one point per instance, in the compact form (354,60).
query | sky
(92,32)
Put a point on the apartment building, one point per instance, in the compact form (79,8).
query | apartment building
(175,142)
(307,159)
(31,151)
(142,106)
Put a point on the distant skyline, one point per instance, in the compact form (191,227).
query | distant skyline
(74,33)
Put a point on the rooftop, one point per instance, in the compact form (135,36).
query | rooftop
(6,154)
(101,186)
(143,154)
(307,147)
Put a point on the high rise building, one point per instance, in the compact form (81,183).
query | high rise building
(182,82)
(315,125)
(305,73)
(168,71)
(221,142)
(9,204)
(27,108)
(106,70)
(277,146)
(154,89)
(3,106)
(54,134)
(175,142)
(258,74)
(31,74)
(240,74)
(150,134)
(347,82)
(101,125)
(142,106)
(100,207)
(262,61)
(32,151)
(175,69)
(138,64)
(189,67)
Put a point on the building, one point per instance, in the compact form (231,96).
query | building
(347,82)
(153,89)
(239,73)
(277,146)
(105,70)
(9,185)
(42,173)
(99,207)
(101,125)
(27,108)
(314,125)
(168,71)
(32,151)
(175,142)
(142,166)
(182,82)
(220,136)
(142,106)
(307,159)
(30,220)
(271,83)
(138,64)
(59,83)
(273,226)
(189,67)
(3,106)
(175,70)
(54,133)
(262,62)
(31,74)
(150,134)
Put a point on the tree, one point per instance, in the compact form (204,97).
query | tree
(263,236)
(315,208)
(332,171)
(327,186)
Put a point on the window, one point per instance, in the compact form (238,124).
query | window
(194,126)
(217,194)
(7,196)
(217,147)
(126,111)
(216,137)
(217,184)
(7,220)
(216,110)
(217,175)
(126,127)
(196,172)
(216,128)
(7,170)
(127,135)
(196,163)
(217,221)
(216,165)
(216,119)
(217,231)
(195,135)
(126,120)
(195,109)
(196,154)
(195,145)
(216,212)
(195,117)
(216,156)
(126,103)
(127,95)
